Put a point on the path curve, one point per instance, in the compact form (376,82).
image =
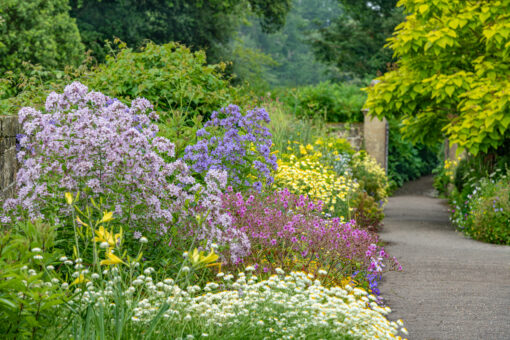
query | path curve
(451,287)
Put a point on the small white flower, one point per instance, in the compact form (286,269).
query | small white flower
(279,271)
(36,250)
(64,285)
(205,335)
(185,269)
(38,257)
(143,240)
(55,280)
(190,337)
(250,268)
(214,246)
(403,330)
(68,263)
(260,323)
(322,272)
(78,260)
(104,245)
(220,274)
(187,318)
(24,268)
(32,272)
(185,254)
(50,267)
(95,276)
(63,259)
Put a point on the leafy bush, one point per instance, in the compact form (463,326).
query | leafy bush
(237,143)
(367,213)
(330,101)
(485,212)
(170,76)
(370,176)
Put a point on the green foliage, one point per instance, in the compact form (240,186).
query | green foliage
(37,32)
(354,42)
(452,77)
(285,126)
(408,161)
(28,290)
(484,213)
(367,212)
(329,101)
(370,176)
(170,76)
(200,24)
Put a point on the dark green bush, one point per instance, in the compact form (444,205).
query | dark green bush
(406,161)
(333,102)
(484,213)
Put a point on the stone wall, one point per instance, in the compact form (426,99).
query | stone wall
(353,132)
(9,128)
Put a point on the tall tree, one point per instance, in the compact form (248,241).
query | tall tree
(453,74)
(38,32)
(294,62)
(354,43)
(200,24)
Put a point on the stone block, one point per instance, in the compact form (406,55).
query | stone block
(376,139)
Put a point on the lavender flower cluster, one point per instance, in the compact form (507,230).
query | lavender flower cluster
(90,143)
(239,144)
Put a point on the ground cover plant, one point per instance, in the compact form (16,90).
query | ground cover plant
(110,224)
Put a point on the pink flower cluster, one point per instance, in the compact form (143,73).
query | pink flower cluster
(90,143)
(287,230)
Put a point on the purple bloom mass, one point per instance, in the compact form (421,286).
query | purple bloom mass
(90,143)
(239,144)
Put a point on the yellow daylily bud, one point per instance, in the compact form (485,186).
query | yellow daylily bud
(107,216)
(69,198)
(112,259)
(81,222)
(79,279)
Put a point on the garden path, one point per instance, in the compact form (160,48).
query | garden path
(451,287)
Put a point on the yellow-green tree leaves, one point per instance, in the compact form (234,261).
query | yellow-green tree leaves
(453,74)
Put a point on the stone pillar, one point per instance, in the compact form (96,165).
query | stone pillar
(9,128)
(375,132)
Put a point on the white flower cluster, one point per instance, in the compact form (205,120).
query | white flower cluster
(287,306)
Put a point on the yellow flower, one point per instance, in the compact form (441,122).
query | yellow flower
(69,198)
(104,236)
(79,279)
(107,217)
(198,259)
(81,222)
(112,259)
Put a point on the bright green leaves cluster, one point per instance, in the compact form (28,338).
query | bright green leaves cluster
(453,76)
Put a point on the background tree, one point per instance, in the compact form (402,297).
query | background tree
(354,42)
(199,24)
(453,75)
(293,63)
(37,32)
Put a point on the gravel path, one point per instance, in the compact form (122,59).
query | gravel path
(451,287)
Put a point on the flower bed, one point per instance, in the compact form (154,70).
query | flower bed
(115,237)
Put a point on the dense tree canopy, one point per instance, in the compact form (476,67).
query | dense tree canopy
(453,75)
(354,42)
(38,32)
(195,23)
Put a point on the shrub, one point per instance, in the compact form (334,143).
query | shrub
(485,213)
(330,101)
(170,76)
(367,213)
(98,146)
(370,176)
(237,143)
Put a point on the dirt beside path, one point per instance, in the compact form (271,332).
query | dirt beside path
(451,287)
